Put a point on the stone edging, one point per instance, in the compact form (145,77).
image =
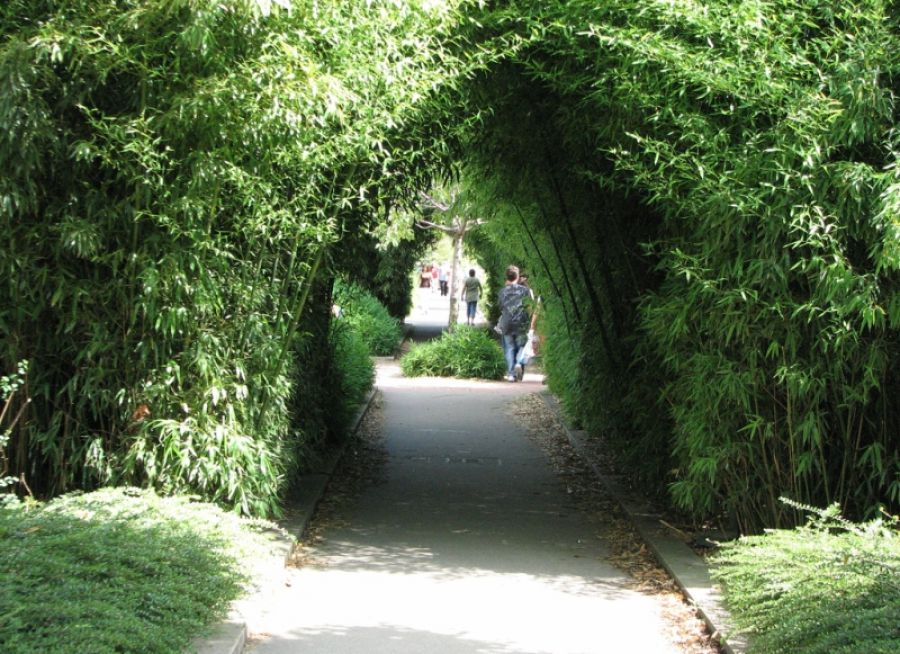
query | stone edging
(230,636)
(689,571)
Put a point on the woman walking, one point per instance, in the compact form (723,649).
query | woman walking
(471,293)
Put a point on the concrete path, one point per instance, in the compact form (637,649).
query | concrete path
(467,543)
(431,312)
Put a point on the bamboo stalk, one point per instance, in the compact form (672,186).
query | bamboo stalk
(545,266)
(562,266)
(293,326)
(579,258)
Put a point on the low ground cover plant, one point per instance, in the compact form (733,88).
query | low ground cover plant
(368,317)
(464,352)
(830,587)
(119,570)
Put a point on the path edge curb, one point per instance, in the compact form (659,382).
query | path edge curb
(689,571)
(230,636)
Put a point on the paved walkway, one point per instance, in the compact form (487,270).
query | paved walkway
(468,543)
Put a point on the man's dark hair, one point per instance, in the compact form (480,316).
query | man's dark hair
(471,272)
(512,273)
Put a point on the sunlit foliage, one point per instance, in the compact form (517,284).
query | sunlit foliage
(173,178)
(830,586)
(705,196)
(719,183)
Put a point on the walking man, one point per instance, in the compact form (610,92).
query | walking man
(513,322)
(471,293)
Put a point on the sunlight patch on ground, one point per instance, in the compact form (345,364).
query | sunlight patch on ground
(503,612)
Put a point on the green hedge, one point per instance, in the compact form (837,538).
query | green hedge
(464,352)
(120,570)
(830,587)
(354,373)
(175,177)
(706,193)
(368,318)
(707,196)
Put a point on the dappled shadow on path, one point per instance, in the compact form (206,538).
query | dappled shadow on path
(397,639)
(388,563)
(454,536)
(400,613)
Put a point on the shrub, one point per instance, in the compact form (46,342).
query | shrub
(9,384)
(353,374)
(830,587)
(118,570)
(465,352)
(365,315)
(382,263)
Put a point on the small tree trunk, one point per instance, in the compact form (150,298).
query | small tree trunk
(454,277)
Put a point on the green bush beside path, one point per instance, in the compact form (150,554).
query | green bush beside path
(368,317)
(118,571)
(464,352)
(831,587)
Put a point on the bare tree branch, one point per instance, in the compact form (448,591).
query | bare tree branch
(431,203)
(427,224)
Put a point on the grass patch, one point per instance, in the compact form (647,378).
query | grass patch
(119,571)
(368,317)
(465,352)
(831,587)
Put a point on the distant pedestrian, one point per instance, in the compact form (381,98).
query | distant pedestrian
(471,293)
(435,271)
(442,280)
(514,322)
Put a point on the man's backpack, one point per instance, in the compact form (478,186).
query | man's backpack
(513,314)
